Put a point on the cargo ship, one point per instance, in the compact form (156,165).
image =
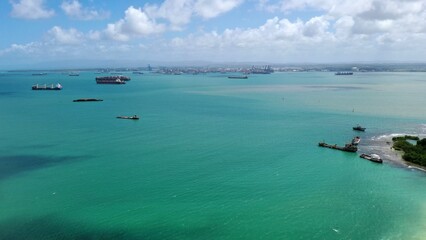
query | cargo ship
(344,73)
(238,77)
(47,87)
(112,80)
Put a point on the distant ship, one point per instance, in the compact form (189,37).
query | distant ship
(47,87)
(344,73)
(87,100)
(112,79)
(39,74)
(238,77)
(134,117)
(74,74)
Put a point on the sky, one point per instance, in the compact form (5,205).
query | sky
(85,32)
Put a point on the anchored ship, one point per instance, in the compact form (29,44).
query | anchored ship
(344,73)
(47,87)
(112,79)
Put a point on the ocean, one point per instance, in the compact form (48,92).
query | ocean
(210,157)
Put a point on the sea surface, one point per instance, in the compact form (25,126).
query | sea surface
(210,158)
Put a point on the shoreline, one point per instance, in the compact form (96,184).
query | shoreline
(383,145)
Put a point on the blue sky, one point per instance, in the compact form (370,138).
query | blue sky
(61,32)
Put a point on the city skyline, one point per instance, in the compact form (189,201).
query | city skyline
(77,32)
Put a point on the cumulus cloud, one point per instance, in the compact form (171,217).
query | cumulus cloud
(213,8)
(393,18)
(64,36)
(23,48)
(170,15)
(75,10)
(177,12)
(30,9)
(341,30)
(136,23)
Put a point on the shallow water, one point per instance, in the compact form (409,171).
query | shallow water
(210,158)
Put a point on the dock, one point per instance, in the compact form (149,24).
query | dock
(347,148)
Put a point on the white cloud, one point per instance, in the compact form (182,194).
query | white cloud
(74,9)
(31,9)
(65,37)
(319,38)
(177,12)
(342,30)
(170,15)
(316,26)
(373,18)
(28,48)
(136,23)
(213,8)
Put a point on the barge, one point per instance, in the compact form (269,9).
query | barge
(87,100)
(347,148)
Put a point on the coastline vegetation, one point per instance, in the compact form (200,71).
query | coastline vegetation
(412,153)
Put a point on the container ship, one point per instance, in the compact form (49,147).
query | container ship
(112,80)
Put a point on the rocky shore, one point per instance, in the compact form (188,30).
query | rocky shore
(383,145)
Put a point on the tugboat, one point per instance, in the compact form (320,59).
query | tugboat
(134,117)
(359,128)
(372,157)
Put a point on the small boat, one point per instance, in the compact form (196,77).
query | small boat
(372,157)
(134,117)
(87,100)
(356,140)
(359,128)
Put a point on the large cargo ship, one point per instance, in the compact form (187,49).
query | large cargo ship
(112,80)
(47,87)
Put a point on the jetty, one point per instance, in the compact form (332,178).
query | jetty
(347,148)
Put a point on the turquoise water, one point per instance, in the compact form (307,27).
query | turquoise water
(210,158)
